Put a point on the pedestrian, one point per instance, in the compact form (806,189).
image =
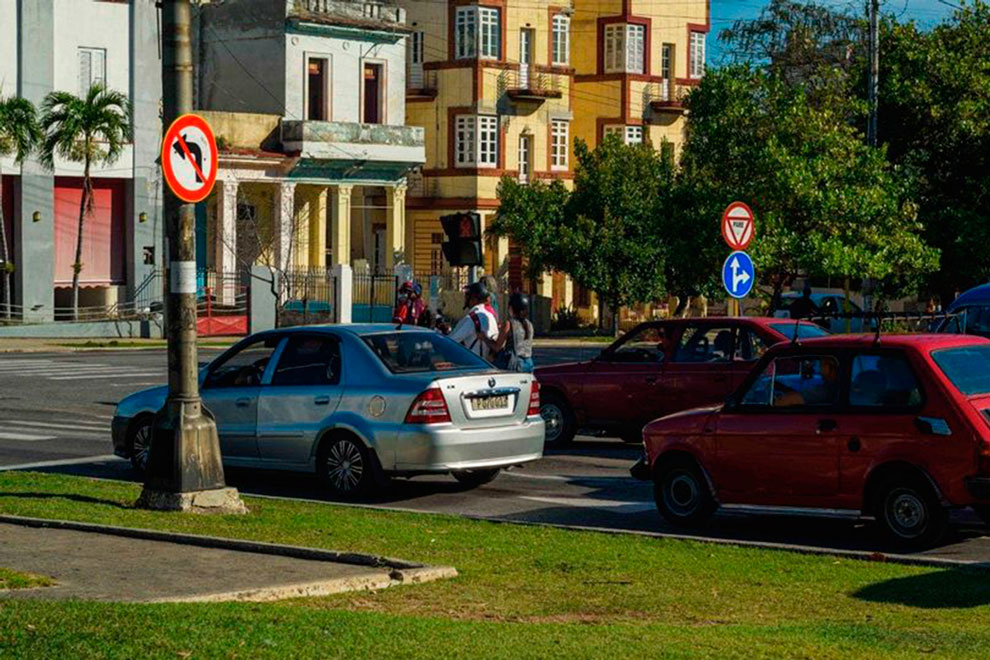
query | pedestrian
(478,321)
(410,306)
(513,350)
(492,303)
(804,307)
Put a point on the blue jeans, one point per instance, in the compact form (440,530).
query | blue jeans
(525,365)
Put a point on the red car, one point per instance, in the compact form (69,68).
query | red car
(896,428)
(655,369)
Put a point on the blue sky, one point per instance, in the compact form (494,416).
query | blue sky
(724,12)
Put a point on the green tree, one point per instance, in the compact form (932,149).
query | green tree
(935,121)
(19,134)
(606,234)
(826,204)
(90,130)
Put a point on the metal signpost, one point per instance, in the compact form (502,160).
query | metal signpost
(184,470)
(738,273)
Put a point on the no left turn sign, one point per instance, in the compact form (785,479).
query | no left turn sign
(189,158)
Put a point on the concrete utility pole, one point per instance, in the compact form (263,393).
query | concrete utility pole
(184,470)
(874,82)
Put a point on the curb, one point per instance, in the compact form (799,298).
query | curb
(399,570)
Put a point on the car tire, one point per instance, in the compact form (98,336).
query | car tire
(475,478)
(139,441)
(682,494)
(345,466)
(909,513)
(559,420)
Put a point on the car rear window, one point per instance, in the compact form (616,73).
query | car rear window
(804,331)
(414,352)
(967,367)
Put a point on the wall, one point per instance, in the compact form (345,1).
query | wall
(246,72)
(8,60)
(347,55)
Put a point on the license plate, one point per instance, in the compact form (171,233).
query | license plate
(490,403)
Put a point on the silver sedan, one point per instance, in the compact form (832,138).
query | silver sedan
(356,404)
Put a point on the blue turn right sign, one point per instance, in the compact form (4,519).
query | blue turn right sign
(738,274)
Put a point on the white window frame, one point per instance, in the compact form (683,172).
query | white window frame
(92,64)
(625,48)
(559,138)
(697,56)
(561,40)
(478,33)
(666,61)
(415,73)
(628,134)
(476,141)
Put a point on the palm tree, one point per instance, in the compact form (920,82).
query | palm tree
(19,134)
(84,130)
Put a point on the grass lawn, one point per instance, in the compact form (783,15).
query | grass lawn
(16,580)
(522,592)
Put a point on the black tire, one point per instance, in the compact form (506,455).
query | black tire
(682,493)
(475,478)
(139,440)
(345,466)
(559,419)
(909,513)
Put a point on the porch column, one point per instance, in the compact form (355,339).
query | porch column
(340,226)
(226,242)
(318,228)
(284,224)
(395,226)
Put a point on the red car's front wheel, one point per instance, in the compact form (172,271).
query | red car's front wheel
(682,493)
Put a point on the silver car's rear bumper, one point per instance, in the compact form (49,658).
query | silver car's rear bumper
(445,447)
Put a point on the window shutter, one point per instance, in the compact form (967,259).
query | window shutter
(85,71)
(100,67)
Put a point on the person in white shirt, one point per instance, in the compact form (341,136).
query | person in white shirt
(478,320)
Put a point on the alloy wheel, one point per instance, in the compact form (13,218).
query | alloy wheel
(345,466)
(553,418)
(141,446)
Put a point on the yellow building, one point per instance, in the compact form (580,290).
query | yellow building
(503,87)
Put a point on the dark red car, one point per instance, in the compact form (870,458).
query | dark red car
(655,369)
(897,429)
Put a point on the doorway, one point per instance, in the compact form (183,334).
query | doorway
(373,78)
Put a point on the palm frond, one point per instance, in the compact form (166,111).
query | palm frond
(19,130)
(95,128)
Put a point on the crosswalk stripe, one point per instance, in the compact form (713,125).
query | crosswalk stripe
(113,375)
(74,427)
(27,437)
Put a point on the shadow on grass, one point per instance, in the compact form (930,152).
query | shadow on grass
(944,589)
(83,499)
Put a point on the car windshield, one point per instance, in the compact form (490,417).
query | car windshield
(967,367)
(411,352)
(804,331)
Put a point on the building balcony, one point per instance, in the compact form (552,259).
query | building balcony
(666,97)
(528,85)
(371,13)
(352,141)
(421,84)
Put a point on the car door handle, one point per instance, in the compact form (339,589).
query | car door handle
(243,402)
(321,400)
(826,425)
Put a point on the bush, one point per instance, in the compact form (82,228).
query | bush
(565,318)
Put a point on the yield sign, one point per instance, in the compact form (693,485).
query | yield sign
(189,158)
(737,225)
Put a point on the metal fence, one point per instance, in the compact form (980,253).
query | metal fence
(310,297)
(222,303)
(374,297)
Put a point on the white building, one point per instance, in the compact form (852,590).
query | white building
(65,45)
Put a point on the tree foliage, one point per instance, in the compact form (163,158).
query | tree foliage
(826,204)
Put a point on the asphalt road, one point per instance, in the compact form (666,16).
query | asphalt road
(55,411)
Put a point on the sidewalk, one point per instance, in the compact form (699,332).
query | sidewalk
(69,345)
(89,565)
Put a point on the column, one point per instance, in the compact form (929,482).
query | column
(226,242)
(318,228)
(395,226)
(340,226)
(283,222)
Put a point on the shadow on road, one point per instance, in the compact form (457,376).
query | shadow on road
(943,589)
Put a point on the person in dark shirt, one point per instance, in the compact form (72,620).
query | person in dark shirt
(804,306)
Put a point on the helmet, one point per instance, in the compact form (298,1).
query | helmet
(411,286)
(519,301)
(476,289)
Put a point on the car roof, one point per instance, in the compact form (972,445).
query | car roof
(978,295)
(751,320)
(357,329)
(921,342)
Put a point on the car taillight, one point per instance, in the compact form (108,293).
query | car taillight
(534,399)
(428,408)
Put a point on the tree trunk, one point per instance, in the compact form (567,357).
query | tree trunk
(83,208)
(7,297)
(615,320)
(683,300)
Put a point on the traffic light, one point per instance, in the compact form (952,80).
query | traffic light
(463,245)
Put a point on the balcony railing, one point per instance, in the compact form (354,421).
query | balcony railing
(341,140)
(666,96)
(528,84)
(368,11)
(421,83)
